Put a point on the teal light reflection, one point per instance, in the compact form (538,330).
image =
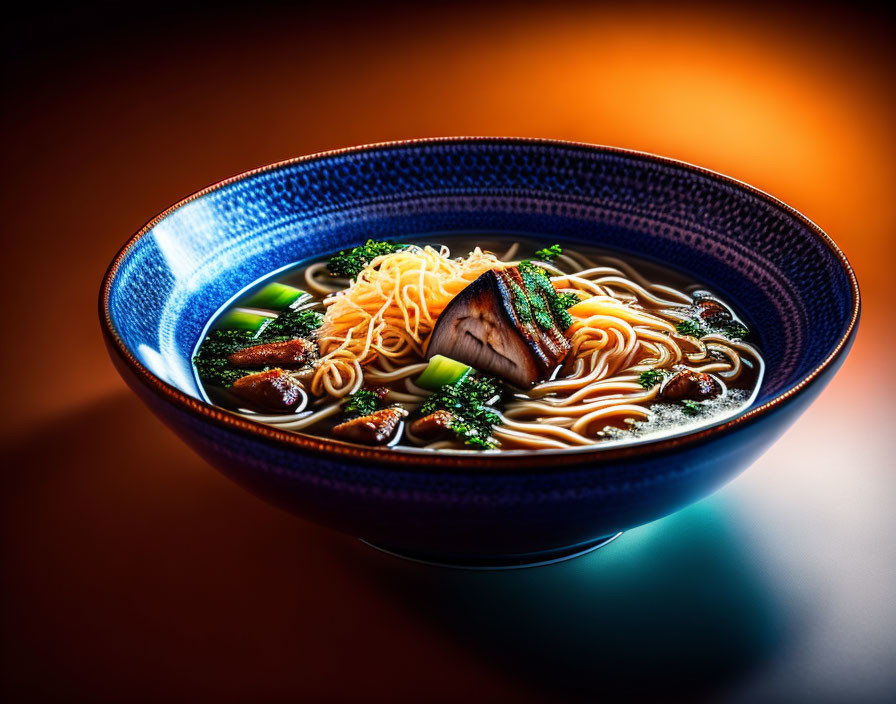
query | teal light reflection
(675,605)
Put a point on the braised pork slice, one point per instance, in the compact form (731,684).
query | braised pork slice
(374,429)
(289,354)
(273,389)
(504,324)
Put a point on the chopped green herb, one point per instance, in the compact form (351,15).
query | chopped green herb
(547,308)
(558,310)
(541,312)
(568,300)
(521,303)
(351,262)
(362,403)
(293,324)
(736,331)
(650,378)
(548,253)
(690,327)
(691,408)
(468,402)
(211,358)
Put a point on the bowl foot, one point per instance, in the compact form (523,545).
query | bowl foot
(498,562)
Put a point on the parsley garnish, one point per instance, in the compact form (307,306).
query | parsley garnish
(548,253)
(650,378)
(691,408)
(467,399)
(362,403)
(690,327)
(351,262)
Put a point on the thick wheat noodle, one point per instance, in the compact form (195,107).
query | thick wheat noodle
(376,329)
(734,364)
(616,383)
(443,445)
(631,272)
(566,259)
(508,255)
(583,284)
(580,259)
(629,411)
(313,418)
(639,291)
(737,346)
(398,397)
(399,296)
(318,288)
(380,377)
(536,409)
(412,388)
(517,438)
(543,429)
(572,382)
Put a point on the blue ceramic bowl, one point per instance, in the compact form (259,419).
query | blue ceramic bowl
(793,283)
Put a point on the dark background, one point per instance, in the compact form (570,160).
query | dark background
(133,571)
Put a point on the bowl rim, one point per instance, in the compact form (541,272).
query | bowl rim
(524,462)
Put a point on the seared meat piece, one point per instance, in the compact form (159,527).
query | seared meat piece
(273,389)
(374,429)
(687,384)
(289,354)
(380,391)
(435,426)
(503,325)
(713,312)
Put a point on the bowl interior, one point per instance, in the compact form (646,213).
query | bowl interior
(793,288)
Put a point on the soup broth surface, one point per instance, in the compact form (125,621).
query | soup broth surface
(480,343)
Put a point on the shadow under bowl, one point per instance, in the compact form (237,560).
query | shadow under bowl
(793,284)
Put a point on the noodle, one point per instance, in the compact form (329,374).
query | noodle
(389,310)
(376,329)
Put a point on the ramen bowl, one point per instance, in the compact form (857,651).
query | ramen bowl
(493,509)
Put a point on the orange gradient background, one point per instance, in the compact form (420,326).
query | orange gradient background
(134,571)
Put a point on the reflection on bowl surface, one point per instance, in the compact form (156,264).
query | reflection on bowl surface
(793,285)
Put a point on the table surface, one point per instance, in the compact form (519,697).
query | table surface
(134,571)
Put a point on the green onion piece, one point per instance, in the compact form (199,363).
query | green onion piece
(441,371)
(240,319)
(274,296)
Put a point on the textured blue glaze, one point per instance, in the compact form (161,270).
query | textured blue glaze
(791,287)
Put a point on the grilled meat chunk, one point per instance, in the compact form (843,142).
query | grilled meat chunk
(435,426)
(713,312)
(289,354)
(507,324)
(273,389)
(687,384)
(374,429)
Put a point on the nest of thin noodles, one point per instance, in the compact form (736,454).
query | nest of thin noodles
(389,311)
